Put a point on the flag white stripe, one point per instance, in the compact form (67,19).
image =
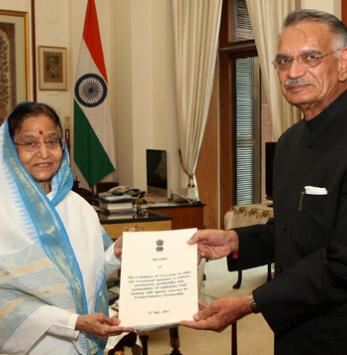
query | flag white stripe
(94,114)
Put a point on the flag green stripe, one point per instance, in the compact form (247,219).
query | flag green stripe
(90,156)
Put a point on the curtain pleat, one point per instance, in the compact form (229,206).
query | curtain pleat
(266,18)
(196,27)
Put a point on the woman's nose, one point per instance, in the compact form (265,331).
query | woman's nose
(43,151)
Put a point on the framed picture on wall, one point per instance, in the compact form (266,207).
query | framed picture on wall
(52,68)
(14,44)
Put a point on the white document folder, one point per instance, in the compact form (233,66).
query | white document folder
(158,278)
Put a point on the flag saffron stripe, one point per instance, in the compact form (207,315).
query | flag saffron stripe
(91,36)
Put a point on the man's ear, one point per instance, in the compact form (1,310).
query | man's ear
(342,65)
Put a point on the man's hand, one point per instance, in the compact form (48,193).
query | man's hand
(100,325)
(221,313)
(215,244)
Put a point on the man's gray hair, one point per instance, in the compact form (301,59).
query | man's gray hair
(336,26)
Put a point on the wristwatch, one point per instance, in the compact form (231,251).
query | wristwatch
(253,305)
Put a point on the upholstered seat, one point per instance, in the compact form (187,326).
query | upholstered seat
(242,216)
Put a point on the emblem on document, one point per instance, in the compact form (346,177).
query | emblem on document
(160,245)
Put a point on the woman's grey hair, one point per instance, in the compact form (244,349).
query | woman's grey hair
(336,26)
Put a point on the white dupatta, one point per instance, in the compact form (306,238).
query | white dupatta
(37,262)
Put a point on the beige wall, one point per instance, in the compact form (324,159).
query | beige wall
(52,29)
(144,86)
(332,6)
(137,43)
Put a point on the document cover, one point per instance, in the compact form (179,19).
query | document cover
(158,278)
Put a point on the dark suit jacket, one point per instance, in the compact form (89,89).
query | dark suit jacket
(306,303)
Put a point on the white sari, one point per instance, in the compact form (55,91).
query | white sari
(52,261)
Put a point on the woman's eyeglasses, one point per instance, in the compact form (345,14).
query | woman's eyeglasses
(34,145)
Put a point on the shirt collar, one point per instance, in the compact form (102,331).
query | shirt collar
(324,119)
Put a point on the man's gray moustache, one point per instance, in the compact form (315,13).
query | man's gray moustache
(300,81)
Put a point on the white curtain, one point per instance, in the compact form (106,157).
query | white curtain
(196,26)
(266,19)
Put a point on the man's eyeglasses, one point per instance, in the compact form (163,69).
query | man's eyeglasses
(308,59)
(34,145)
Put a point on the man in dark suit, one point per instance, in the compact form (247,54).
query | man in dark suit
(306,303)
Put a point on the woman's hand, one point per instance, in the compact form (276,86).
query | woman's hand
(100,325)
(118,245)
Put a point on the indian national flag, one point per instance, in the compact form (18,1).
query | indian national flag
(93,132)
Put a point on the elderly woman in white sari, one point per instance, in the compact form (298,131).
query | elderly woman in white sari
(54,254)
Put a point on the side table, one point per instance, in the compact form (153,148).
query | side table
(148,221)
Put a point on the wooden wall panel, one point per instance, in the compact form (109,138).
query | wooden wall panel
(344,11)
(207,168)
